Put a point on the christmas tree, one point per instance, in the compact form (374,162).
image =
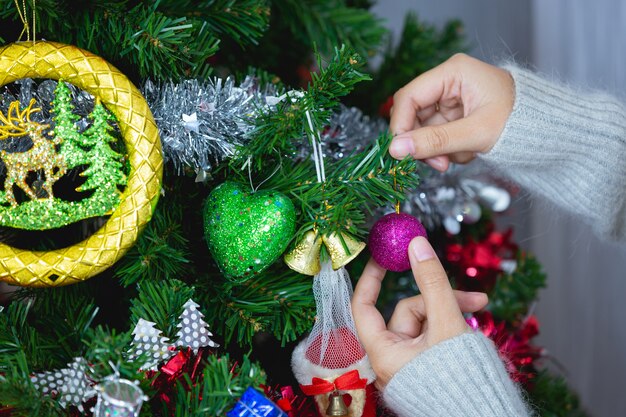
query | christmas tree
(66,129)
(193,330)
(105,172)
(259,117)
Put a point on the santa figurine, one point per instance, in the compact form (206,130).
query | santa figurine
(331,365)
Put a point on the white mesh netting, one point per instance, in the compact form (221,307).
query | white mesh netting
(333,342)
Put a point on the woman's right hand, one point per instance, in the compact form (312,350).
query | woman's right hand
(418,323)
(451,112)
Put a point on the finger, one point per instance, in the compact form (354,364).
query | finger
(471,302)
(440,304)
(426,114)
(462,157)
(409,314)
(422,92)
(440,163)
(429,141)
(370,324)
(441,117)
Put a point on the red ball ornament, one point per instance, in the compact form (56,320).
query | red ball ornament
(389,240)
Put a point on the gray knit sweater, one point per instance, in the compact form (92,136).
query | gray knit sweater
(570,148)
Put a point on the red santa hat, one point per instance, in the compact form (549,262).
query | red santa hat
(330,355)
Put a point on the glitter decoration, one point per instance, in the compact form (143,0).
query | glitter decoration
(305,256)
(203,122)
(91,148)
(193,330)
(105,173)
(41,156)
(118,398)
(70,385)
(246,232)
(149,341)
(389,240)
(98,78)
(65,128)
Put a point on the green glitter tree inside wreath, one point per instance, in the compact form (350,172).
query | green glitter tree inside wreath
(65,127)
(67,150)
(105,173)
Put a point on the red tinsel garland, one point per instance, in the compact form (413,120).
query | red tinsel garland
(514,346)
(181,368)
(292,402)
(477,264)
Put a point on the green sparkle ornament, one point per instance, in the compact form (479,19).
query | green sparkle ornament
(246,232)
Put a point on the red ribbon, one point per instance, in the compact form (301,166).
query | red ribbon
(348,381)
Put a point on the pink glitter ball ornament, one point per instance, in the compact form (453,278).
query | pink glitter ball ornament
(389,240)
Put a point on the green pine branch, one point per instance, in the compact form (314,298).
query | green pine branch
(161,302)
(328,23)
(551,397)
(513,293)
(46,325)
(103,347)
(221,386)
(18,392)
(18,337)
(150,39)
(278,132)
(278,301)
(161,251)
(355,186)
(244,21)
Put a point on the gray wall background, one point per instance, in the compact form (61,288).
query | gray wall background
(583,310)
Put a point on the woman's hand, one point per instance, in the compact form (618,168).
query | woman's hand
(417,323)
(451,112)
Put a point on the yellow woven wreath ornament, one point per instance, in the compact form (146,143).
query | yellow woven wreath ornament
(140,134)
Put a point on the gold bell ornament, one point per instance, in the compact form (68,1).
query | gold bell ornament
(336,405)
(305,257)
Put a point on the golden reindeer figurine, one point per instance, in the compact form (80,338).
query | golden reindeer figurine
(41,156)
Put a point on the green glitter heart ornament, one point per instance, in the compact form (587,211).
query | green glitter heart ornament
(246,232)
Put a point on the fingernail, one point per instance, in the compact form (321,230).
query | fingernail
(436,162)
(422,249)
(401,146)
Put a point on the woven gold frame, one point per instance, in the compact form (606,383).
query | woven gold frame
(93,74)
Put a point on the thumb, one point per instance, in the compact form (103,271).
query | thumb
(442,309)
(437,140)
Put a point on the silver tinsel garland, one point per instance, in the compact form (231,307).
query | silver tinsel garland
(202,123)
(350,131)
(454,197)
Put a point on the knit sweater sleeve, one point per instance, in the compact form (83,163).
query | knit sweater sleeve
(568,147)
(460,377)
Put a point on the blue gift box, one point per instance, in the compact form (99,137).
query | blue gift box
(254,404)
